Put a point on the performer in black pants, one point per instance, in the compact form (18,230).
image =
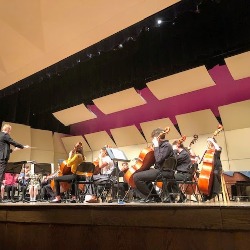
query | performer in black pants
(162,150)
(5,150)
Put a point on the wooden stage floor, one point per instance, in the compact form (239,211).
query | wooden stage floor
(190,225)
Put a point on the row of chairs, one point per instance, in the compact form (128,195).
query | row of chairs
(189,187)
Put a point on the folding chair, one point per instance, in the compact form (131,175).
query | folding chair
(105,186)
(161,183)
(84,182)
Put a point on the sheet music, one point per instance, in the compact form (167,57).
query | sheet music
(118,154)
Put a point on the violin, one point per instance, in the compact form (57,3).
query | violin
(206,175)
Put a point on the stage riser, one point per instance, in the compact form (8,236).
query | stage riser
(124,227)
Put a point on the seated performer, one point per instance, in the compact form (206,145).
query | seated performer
(47,192)
(106,166)
(162,150)
(76,157)
(9,184)
(23,179)
(33,187)
(183,168)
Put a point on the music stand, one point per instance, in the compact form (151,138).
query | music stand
(14,168)
(117,155)
(42,168)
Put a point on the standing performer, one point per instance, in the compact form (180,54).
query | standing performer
(217,170)
(5,150)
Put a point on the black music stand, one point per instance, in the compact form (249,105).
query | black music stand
(42,168)
(14,168)
(117,155)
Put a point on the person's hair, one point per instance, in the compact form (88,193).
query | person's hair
(6,127)
(79,148)
(105,150)
(176,142)
(156,132)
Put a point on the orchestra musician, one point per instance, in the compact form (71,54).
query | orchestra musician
(106,166)
(5,150)
(184,170)
(162,150)
(76,156)
(217,170)
(9,184)
(23,179)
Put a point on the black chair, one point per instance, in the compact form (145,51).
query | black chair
(161,183)
(105,186)
(85,181)
(188,186)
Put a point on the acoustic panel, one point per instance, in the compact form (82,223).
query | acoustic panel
(58,145)
(42,139)
(70,142)
(21,134)
(121,100)
(199,122)
(42,156)
(239,65)
(235,115)
(239,165)
(181,83)
(74,114)
(98,140)
(148,127)
(126,136)
(238,144)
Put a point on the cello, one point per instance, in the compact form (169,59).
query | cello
(206,175)
(63,170)
(145,160)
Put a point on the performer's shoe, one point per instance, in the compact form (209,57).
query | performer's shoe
(169,199)
(13,200)
(182,198)
(56,201)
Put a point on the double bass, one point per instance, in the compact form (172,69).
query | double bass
(206,175)
(145,160)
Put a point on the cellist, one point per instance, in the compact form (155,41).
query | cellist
(162,150)
(217,169)
(76,157)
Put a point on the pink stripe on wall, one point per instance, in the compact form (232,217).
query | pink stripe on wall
(226,91)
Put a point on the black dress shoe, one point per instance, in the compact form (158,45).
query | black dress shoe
(182,198)
(73,201)
(13,201)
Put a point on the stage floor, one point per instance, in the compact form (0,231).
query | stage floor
(126,226)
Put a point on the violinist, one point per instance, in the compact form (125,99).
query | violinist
(76,157)
(217,170)
(162,150)
(183,168)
